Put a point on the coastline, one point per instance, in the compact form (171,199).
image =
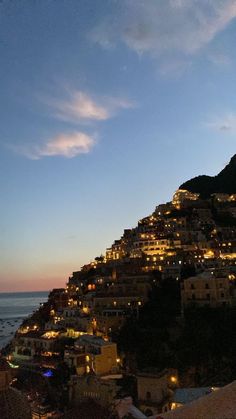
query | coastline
(14,309)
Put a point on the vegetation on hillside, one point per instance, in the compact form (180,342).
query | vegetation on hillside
(202,346)
(224,182)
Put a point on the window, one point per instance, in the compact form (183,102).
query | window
(222,295)
(193,297)
(208,296)
(192,287)
(148,395)
(207,286)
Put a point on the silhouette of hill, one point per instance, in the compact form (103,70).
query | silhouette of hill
(224,182)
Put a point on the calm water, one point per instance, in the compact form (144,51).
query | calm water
(14,307)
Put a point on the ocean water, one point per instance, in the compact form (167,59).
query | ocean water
(14,308)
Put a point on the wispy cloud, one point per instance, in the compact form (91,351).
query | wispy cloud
(66,145)
(78,107)
(219,59)
(158,27)
(224,123)
(174,67)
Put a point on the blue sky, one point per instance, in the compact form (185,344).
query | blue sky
(106,108)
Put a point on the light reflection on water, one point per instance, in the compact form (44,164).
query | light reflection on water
(14,307)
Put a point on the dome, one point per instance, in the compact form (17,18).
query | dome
(13,404)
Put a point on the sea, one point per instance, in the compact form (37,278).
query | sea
(14,308)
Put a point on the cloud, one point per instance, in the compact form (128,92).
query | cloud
(66,145)
(219,59)
(174,67)
(156,27)
(79,107)
(226,123)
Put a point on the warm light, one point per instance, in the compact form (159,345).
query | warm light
(50,335)
(173,379)
(87,358)
(85,310)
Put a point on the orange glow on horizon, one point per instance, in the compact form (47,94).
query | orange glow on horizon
(37,284)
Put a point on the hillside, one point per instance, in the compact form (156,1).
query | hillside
(224,182)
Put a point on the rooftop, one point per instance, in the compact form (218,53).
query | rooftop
(219,404)
(93,340)
(187,395)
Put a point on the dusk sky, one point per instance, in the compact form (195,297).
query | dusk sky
(106,108)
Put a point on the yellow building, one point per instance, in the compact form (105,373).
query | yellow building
(76,357)
(181,196)
(101,355)
(206,289)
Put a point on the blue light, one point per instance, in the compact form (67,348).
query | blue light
(48,373)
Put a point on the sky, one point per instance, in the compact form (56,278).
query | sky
(106,107)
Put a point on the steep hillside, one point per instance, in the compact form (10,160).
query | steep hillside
(224,182)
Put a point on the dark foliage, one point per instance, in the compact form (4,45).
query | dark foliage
(208,342)
(204,341)
(88,410)
(148,336)
(224,182)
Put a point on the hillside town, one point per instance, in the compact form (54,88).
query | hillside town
(70,351)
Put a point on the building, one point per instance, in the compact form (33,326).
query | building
(33,343)
(101,355)
(206,289)
(85,388)
(155,391)
(77,359)
(13,404)
(219,404)
(182,197)
(183,396)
